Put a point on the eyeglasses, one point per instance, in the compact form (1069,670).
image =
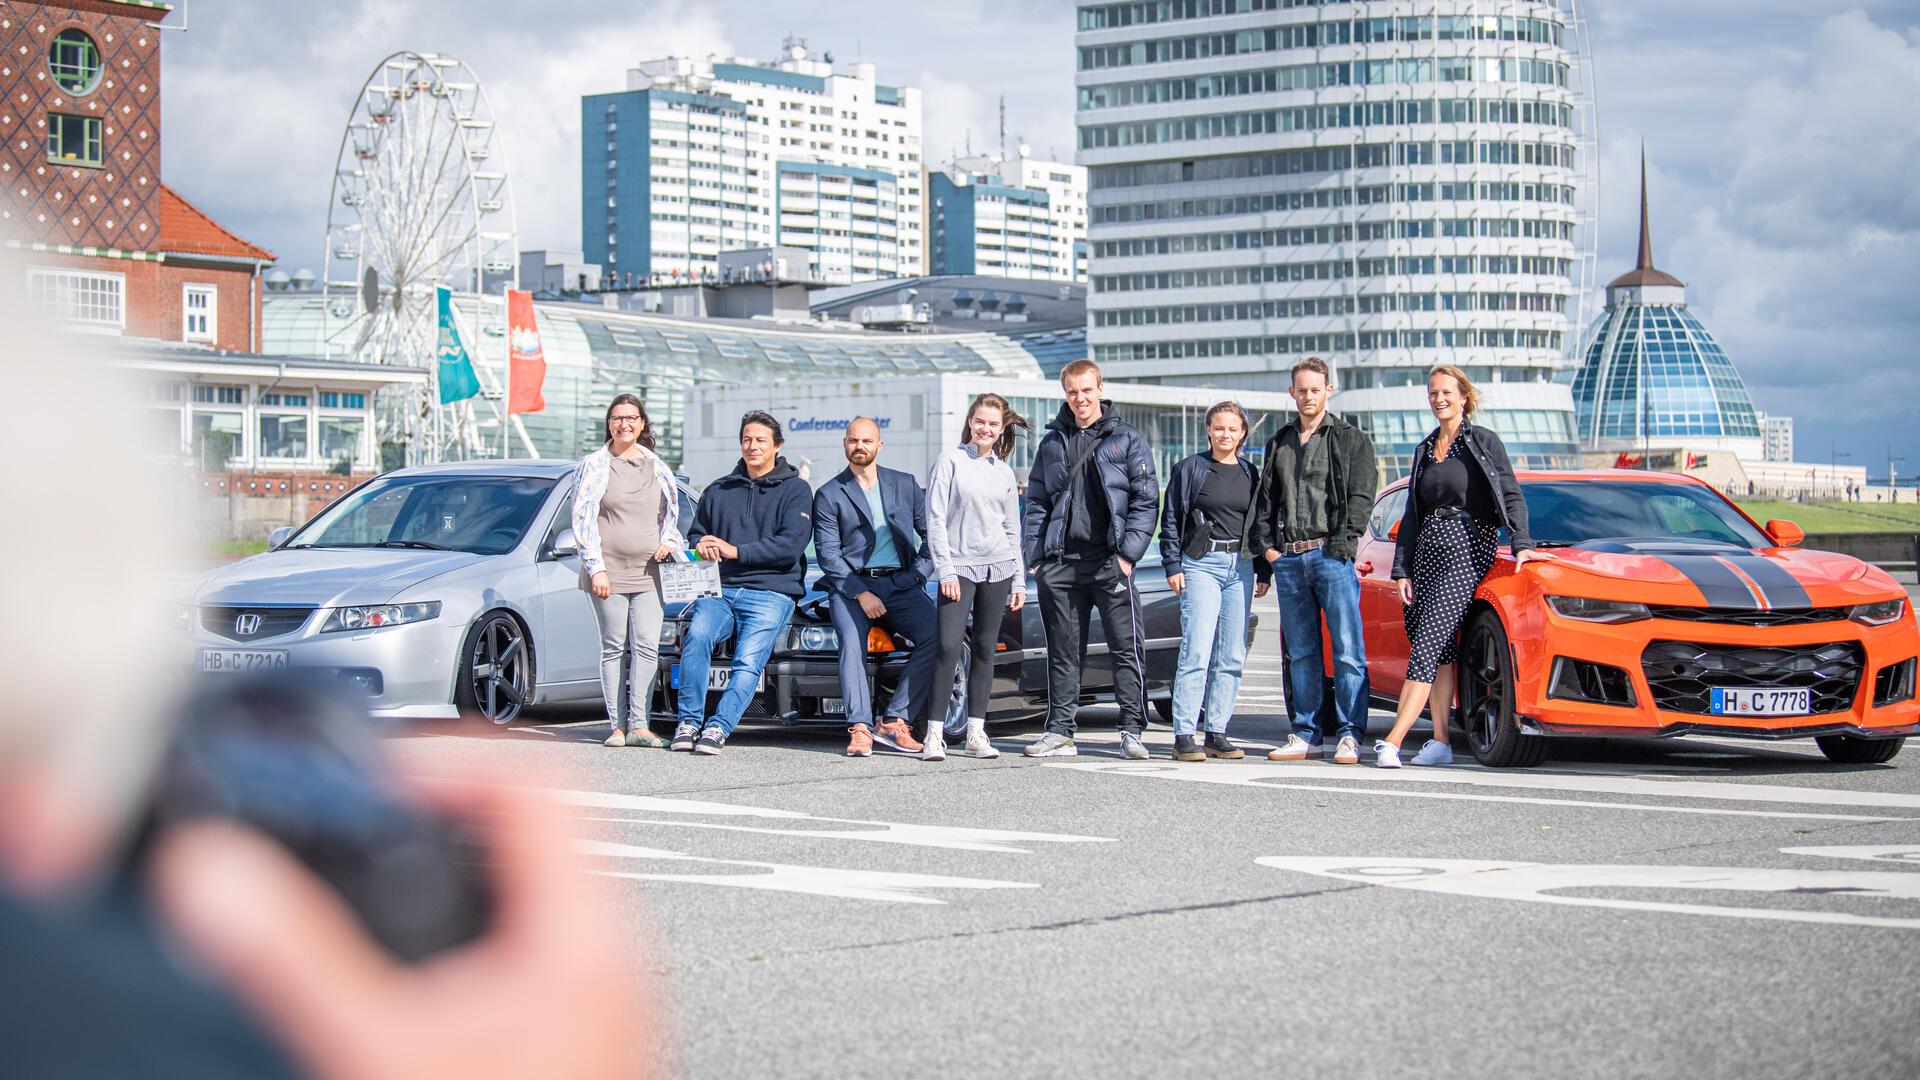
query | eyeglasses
(623,421)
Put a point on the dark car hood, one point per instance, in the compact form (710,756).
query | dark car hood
(327,577)
(1667,570)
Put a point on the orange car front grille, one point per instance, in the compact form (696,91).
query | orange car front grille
(1682,674)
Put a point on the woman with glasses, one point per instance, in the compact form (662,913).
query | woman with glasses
(626,521)
(1205,532)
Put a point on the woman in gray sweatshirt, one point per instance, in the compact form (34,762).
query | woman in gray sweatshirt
(973,529)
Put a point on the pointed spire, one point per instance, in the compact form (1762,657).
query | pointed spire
(1643,272)
(1646,238)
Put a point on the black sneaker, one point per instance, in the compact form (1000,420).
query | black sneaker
(1218,746)
(683,736)
(712,738)
(1187,748)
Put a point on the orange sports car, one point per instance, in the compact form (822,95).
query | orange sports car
(1664,610)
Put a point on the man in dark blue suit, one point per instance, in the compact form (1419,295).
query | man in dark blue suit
(870,532)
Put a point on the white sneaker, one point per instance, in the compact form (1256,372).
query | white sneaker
(935,746)
(1386,755)
(978,745)
(1296,749)
(1347,752)
(1434,752)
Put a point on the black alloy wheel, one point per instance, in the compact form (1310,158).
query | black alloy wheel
(1486,698)
(494,676)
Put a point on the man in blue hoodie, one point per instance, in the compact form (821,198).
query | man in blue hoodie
(1092,503)
(756,521)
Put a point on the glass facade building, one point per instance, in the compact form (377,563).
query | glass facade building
(1653,376)
(593,353)
(1389,187)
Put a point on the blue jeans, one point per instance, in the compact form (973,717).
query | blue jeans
(760,617)
(1213,639)
(909,612)
(1308,586)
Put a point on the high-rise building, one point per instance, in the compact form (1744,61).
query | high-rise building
(1387,186)
(1654,377)
(697,157)
(1008,216)
(1776,438)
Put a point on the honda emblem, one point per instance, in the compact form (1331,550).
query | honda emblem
(247,625)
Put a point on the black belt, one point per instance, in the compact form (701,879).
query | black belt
(884,571)
(1449,512)
(1222,545)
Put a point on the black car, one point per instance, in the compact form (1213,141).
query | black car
(801,682)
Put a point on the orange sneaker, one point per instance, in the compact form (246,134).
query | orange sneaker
(896,735)
(861,742)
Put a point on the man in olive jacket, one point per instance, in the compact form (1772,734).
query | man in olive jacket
(1312,504)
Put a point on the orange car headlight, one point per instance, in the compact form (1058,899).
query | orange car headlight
(1879,613)
(1587,609)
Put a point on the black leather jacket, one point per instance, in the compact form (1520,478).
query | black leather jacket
(1500,498)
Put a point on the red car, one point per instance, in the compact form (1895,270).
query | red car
(1663,611)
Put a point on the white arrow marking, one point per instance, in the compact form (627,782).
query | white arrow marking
(1535,882)
(884,832)
(781,877)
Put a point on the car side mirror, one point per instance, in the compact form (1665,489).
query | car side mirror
(1785,533)
(1393,531)
(278,537)
(565,544)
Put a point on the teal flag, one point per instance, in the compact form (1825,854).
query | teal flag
(457,380)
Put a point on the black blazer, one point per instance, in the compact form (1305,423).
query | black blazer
(1493,495)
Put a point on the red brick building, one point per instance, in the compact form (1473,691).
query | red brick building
(107,247)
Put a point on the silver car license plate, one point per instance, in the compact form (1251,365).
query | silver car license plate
(242,659)
(1742,701)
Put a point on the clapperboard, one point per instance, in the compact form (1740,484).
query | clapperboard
(687,577)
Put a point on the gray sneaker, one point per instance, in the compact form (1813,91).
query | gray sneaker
(1052,744)
(1132,748)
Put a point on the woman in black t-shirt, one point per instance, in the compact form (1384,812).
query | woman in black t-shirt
(1462,491)
(1205,531)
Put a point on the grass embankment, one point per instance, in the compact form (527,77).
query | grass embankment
(235,549)
(1839,517)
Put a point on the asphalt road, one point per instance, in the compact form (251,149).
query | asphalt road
(1695,908)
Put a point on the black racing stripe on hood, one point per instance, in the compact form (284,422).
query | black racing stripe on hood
(1718,584)
(1777,587)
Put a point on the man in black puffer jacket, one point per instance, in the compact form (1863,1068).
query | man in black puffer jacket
(1092,501)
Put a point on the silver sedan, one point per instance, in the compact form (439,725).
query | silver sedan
(440,591)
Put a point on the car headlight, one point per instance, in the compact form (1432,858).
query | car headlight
(375,616)
(813,639)
(670,634)
(1587,609)
(1879,613)
(180,616)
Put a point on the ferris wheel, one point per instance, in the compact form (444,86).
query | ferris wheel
(421,200)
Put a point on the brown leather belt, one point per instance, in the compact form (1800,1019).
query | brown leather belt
(1301,547)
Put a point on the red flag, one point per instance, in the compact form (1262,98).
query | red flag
(527,362)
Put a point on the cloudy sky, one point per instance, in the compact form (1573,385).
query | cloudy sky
(1782,139)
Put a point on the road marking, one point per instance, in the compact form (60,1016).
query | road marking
(877,885)
(1893,853)
(952,837)
(1302,777)
(1537,882)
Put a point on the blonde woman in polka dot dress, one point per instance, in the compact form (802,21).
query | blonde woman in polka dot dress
(1461,493)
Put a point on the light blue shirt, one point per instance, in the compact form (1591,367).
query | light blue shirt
(884,552)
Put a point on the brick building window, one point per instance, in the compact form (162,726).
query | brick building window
(198,313)
(73,140)
(82,300)
(74,61)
